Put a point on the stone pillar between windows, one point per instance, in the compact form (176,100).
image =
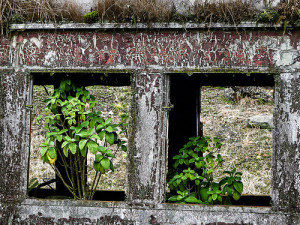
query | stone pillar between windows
(286,144)
(147,139)
(14,141)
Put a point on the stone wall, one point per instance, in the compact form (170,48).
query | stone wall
(151,56)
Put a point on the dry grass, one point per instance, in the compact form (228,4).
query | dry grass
(232,12)
(20,11)
(247,149)
(134,11)
(289,9)
(144,11)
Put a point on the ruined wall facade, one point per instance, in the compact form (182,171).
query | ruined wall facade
(150,56)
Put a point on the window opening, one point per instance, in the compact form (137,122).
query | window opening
(202,110)
(113,94)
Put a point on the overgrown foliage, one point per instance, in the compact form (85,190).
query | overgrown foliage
(232,12)
(147,11)
(194,169)
(287,12)
(135,11)
(75,130)
(24,11)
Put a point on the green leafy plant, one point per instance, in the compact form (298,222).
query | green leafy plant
(192,179)
(74,130)
(232,184)
(91,17)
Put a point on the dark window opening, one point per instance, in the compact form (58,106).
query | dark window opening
(192,105)
(113,92)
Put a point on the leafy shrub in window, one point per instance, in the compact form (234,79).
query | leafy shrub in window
(193,180)
(74,130)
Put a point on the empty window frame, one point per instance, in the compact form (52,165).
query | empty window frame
(196,112)
(113,93)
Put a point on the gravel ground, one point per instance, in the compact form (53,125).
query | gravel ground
(248,149)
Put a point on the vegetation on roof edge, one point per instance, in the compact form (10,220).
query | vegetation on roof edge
(286,12)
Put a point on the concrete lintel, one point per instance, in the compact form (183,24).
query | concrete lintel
(129,26)
(164,69)
(92,212)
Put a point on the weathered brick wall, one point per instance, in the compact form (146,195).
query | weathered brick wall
(148,55)
(4,51)
(194,50)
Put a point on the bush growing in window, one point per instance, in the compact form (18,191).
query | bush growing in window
(75,129)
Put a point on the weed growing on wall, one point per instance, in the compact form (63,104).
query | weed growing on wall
(194,169)
(232,12)
(147,11)
(287,12)
(74,130)
(134,11)
(44,11)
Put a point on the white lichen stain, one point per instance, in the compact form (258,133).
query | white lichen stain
(293,118)
(36,41)
(145,131)
(285,53)
(50,58)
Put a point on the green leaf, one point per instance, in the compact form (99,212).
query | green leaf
(67,138)
(102,149)
(99,127)
(214,196)
(93,147)
(203,193)
(173,199)
(176,157)
(70,122)
(92,123)
(238,186)
(43,151)
(197,182)
(107,121)
(73,148)
(90,131)
(110,138)
(124,148)
(52,153)
(59,138)
(101,135)
(98,158)
(97,166)
(229,190)
(191,199)
(83,151)
(179,197)
(109,129)
(215,186)
(85,124)
(105,163)
(82,143)
(236,196)
(96,137)
(102,170)
(65,150)
(78,128)
(111,166)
